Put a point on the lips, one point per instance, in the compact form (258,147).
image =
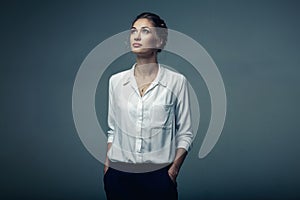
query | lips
(136,45)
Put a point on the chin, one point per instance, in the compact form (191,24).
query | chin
(142,51)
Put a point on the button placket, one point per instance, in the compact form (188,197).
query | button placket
(138,143)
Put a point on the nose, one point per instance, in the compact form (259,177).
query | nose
(137,36)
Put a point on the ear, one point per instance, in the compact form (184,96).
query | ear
(159,43)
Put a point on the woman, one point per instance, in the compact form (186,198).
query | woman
(149,120)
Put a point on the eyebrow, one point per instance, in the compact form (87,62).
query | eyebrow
(141,27)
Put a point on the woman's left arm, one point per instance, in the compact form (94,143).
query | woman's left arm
(176,165)
(184,133)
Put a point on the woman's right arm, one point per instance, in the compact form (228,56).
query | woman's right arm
(106,164)
(111,126)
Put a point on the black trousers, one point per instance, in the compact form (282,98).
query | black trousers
(154,185)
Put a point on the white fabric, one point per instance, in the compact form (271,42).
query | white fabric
(150,128)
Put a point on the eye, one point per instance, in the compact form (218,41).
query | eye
(132,31)
(145,31)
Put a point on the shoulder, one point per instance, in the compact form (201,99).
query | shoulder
(173,76)
(120,76)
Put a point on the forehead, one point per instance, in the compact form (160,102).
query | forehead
(142,23)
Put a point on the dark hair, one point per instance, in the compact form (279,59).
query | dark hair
(162,30)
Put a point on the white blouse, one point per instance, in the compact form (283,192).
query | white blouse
(148,128)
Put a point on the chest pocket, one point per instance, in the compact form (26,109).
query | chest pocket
(161,115)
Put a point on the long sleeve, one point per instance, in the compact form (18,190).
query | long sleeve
(184,133)
(111,118)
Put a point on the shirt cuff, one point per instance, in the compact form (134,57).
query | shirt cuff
(185,145)
(110,139)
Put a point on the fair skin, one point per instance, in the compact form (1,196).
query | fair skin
(144,43)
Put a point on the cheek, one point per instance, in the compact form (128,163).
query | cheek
(150,40)
(131,38)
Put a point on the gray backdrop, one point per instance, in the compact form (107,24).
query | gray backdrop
(255,45)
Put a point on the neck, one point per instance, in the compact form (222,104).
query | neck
(146,66)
